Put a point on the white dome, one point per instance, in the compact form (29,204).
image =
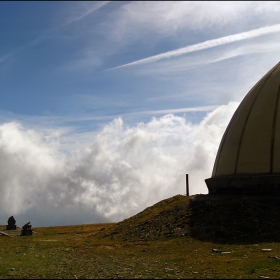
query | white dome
(251,143)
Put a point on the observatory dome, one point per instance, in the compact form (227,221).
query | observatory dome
(248,159)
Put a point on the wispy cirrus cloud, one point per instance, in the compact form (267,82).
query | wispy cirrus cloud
(206,45)
(93,6)
(135,19)
(48,33)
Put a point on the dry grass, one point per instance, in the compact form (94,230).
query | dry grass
(163,241)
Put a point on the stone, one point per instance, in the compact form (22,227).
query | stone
(11,224)
(26,229)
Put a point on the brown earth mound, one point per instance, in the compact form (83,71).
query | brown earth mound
(233,220)
(167,218)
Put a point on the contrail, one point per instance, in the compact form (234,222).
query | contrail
(183,110)
(207,45)
(50,30)
(95,8)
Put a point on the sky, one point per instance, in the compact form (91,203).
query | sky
(106,106)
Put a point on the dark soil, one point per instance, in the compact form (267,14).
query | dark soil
(236,221)
(166,218)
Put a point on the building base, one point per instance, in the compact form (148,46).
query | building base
(252,185)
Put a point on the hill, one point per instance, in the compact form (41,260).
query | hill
(167,218)
(232,219)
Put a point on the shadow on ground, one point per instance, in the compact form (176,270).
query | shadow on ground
(237,220)
(226,220)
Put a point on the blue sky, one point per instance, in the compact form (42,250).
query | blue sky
(105,106)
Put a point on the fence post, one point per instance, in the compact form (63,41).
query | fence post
(187,184)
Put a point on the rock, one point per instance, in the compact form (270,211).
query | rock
(11,224)
(26,229)
(275,257)
(216,250)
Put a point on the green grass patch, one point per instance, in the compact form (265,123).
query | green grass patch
(159,242)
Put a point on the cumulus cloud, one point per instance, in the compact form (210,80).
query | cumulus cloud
(123,171)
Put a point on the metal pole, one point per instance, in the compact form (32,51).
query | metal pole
(187,184)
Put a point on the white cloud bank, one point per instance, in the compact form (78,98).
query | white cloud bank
(123,171)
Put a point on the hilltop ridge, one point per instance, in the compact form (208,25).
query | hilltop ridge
(166,218)
(227,220)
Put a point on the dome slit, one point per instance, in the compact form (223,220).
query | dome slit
(274,130)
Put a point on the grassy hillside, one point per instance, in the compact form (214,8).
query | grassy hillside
(167,240)
(232,220)
(166,219)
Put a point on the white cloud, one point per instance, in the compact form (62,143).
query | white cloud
(124,170)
